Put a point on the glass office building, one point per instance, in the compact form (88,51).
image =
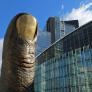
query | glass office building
(66,66)
(43,41)
(59,28)
(54,30)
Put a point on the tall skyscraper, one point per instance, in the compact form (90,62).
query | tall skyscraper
(55,29)
(60,28)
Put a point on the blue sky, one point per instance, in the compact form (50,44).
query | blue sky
(41,9)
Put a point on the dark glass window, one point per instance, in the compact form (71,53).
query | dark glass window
(81,42)
(85,36)
(89,28)
(76,40)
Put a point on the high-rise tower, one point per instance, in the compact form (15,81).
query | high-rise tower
(60,28)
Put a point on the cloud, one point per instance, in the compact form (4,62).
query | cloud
(1,47)
(83,14)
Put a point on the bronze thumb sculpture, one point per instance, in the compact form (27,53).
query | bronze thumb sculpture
(18,61)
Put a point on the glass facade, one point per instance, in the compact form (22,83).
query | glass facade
(67,65)
(59,28)
(69,28)
(43,41)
